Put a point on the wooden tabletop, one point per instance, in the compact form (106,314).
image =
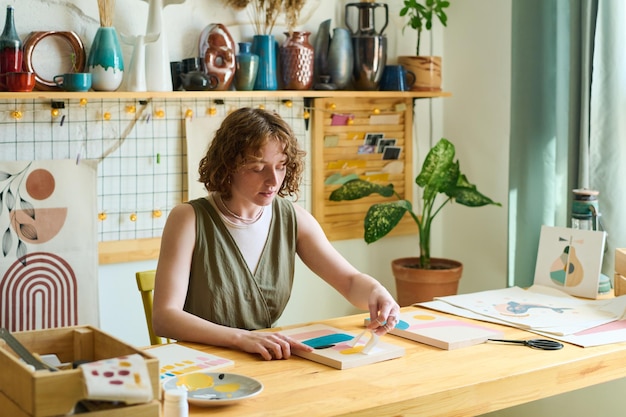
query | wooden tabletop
(427,381)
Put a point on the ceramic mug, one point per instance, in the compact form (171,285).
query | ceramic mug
(73,81)
(19,81)
(396,78)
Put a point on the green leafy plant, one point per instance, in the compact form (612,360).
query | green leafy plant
(421,16)
(440,175)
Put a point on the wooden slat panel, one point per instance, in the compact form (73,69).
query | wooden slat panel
(344,220)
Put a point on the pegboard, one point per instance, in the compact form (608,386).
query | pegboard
(139,146)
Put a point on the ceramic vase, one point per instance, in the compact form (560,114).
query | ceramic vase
(136,74)
(296,61)
(158,73)
(246,68)
(340,58)
(217,50)
(265,47)
(105,61)
(320,50)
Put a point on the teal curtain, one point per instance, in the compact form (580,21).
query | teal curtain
(552,46)
(606,146)
(568,130)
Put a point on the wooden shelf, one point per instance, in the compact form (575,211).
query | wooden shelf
(61,95)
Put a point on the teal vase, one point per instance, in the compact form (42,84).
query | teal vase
(246,67)
(105,61)
(266,48)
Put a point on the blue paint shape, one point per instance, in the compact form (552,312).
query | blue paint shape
(402,325)
(329,339)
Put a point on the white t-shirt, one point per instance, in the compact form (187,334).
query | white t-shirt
(247,236)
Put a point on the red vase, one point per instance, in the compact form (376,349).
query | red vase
(296,61)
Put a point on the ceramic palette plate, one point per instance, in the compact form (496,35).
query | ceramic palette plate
(207,389)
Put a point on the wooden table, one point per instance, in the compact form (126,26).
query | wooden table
(427,381)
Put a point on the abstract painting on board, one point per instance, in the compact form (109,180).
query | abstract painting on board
(339,349)
(570,260)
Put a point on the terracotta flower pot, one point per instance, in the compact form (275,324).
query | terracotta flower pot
(414,285)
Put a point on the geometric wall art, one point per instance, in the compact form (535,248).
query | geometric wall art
(570,260)
(48,253)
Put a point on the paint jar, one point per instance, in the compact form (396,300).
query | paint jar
(585,212)
(586,216)
(175,403)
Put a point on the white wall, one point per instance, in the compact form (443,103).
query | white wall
(476,50)
(477,118)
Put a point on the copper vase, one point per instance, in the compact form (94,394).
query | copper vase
(296,61)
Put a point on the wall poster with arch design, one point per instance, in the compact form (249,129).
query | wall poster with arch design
(48,262)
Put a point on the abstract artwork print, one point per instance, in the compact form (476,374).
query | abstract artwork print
(570,260)
(49,252)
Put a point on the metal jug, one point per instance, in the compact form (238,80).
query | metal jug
(366,15)
(368,43)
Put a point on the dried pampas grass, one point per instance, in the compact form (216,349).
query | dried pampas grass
(106,9)
(264,13)
(292,12)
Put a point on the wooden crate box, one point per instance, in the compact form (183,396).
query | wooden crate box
(26,393)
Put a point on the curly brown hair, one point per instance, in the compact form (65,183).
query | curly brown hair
(239,140)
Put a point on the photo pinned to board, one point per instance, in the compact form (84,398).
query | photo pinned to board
(372,139)
(570,260)
(383,143)
(366,149)
(392,152)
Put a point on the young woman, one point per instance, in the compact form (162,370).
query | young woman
(227,260)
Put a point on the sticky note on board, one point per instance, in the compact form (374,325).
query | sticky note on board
(384,119)
(356,135)
(400,107)
(331,141)
(338,179)
(346,164)
(340,119)
(376,177)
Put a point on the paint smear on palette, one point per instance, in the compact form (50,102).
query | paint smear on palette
(197,381)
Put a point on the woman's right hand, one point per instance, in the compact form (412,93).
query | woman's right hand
(270,345)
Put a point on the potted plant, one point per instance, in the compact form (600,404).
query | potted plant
(440,176)
(427,69)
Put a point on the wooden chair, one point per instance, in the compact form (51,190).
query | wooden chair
(145,283)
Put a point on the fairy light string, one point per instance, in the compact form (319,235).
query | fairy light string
(102,126)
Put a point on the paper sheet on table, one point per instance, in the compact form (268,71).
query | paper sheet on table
(540,308)
(613,332)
